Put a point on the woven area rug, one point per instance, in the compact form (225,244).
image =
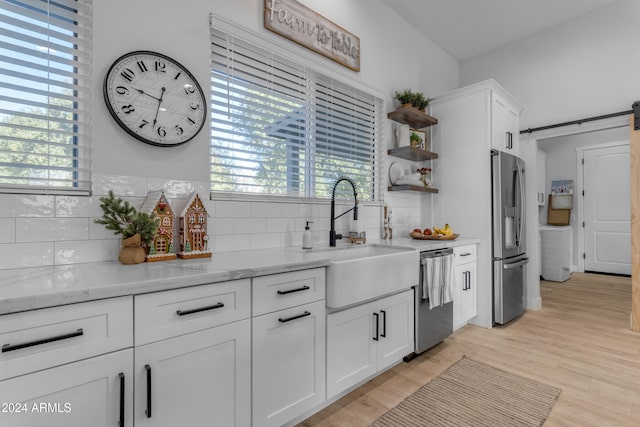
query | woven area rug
(471,393)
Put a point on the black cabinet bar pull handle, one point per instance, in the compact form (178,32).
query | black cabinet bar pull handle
(304,288)
(384,324)
(466,254)
(121,421)
(9,347)
(198,310)
(377,337)
(289,319)
(148,410)
(469,276)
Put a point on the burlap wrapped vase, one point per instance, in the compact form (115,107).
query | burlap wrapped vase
(132,251)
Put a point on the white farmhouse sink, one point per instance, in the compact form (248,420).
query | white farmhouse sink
(362,273)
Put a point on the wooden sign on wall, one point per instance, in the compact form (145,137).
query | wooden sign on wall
(302,25)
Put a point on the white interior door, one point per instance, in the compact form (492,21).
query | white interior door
(607,210)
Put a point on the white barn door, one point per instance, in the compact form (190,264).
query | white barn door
(607,210)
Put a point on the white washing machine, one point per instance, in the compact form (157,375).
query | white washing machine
(556,252)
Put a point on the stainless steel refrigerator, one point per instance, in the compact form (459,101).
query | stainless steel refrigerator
(509,243)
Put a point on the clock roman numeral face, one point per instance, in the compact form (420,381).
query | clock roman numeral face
(155,99)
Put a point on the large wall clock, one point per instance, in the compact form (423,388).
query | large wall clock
(154,98)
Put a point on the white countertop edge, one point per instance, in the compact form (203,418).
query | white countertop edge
(31,288)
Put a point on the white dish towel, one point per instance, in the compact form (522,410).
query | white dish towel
(437,277)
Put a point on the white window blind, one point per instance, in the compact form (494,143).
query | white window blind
(279,128)
(45,74)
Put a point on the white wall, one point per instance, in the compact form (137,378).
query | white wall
(48,230)
(183,33)
(583,68)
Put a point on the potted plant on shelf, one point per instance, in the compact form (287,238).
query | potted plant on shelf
(415,139)
(408,98)
(137,228)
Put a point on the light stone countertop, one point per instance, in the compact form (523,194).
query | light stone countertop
(39,287)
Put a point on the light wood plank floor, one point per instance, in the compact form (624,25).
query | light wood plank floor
(580,342)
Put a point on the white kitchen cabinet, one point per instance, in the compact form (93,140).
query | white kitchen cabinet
(288,363)
(93,392)
(68,366)
(366,339)
(196,379)
(541,171)
(505,118)
(463,139)
(288,345)
(465,269)
(193,356)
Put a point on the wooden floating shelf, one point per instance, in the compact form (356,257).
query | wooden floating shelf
(412,153)
(415,118)
(412,188)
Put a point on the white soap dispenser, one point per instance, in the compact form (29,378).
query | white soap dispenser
(307,238)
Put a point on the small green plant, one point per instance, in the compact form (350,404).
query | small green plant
(122,218)
(415,139)
(405,97)
(416,99)
(420,101)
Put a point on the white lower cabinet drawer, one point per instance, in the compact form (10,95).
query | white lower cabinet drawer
(288,363)
(278,291)
(464,254)
(168,314)
(40,339)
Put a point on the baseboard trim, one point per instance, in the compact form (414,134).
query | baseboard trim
(534,304)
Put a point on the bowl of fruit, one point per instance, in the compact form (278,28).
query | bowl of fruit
(435,233)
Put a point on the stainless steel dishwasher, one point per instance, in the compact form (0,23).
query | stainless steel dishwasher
(431,325)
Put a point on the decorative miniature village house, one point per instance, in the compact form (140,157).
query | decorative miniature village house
(162,247)
(193,229)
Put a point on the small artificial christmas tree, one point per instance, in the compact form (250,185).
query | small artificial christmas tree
(122,218)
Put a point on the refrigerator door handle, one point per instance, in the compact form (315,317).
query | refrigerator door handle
(522,206)
(515,264)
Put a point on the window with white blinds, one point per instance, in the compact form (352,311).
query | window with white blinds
(279,128)
(45,105)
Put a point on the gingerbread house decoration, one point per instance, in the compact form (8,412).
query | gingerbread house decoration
(162,248)
(193,229)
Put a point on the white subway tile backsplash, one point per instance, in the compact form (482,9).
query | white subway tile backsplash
(133,186)
(100,232)
(172,188)
(51,229)
(16,255)
(233,209)
(280,225)
(249,225)
(81,251)
(60,230)
(76,206)
(268,210)
(7,230)
(230,242)
(266,240)
(22,205)
(220,226)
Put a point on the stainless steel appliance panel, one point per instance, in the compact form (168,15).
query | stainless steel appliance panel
(508,205)
(431,325)
(509,242)
(509,279)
